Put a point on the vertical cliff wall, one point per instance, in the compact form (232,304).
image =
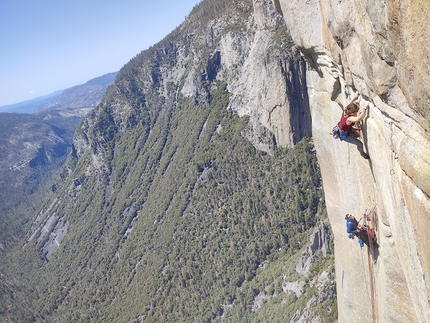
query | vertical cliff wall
(265,74)
(267,80)
(379,48)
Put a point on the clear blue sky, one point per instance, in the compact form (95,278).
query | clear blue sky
(51,45)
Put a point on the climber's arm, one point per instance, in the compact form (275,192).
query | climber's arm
(355,97)
(363,115)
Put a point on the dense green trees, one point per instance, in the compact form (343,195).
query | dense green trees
(181,227)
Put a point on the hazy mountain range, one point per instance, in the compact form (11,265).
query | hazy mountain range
(86,95)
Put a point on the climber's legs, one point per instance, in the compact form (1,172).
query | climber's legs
(353,139)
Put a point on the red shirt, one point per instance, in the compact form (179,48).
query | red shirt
(342,124)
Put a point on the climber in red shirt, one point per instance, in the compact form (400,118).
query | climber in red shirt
(349,117)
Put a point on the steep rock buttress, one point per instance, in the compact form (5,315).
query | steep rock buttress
(380,49)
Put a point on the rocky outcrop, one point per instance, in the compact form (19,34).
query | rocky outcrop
(379,49)
(317,248)
(265,74)
(269,81)
(318,242)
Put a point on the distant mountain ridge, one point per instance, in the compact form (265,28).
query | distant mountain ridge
(86,95)
(29,106)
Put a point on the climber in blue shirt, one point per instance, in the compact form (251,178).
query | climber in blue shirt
(353,229)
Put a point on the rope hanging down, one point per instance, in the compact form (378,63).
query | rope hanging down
(371,225)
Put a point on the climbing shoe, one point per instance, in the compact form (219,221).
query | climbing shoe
(365,156)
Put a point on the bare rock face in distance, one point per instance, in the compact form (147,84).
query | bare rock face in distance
(381,50)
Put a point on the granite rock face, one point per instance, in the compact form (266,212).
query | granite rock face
(269,84)
(255,56)
(380,49)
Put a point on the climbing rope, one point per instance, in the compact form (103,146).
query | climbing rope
(393,154)
(371,217)
(371,278)
(362,266)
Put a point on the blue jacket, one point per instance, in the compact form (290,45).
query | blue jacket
(351,228)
